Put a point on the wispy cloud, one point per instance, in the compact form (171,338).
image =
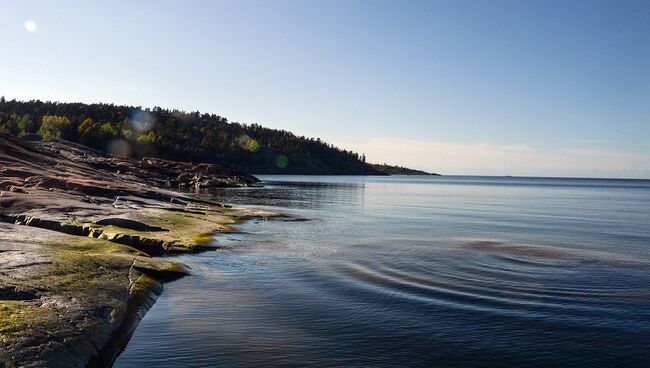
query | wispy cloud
(593,141)
(513,159)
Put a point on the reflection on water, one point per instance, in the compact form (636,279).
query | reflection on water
(416,272)
(312,195)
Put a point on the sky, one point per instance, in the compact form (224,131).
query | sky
(540,88)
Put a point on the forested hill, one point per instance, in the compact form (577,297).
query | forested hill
(178,135)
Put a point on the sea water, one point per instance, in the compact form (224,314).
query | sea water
(415,271)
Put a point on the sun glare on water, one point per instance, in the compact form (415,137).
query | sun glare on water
(30,26)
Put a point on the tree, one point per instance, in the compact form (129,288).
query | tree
(87,132)
(10,124)
(53,126)
(26,125)
(107,132)
(149,138)
(180,135)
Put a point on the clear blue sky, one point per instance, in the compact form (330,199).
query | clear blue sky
(460,87)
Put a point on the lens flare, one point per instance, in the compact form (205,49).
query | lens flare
(247,143)
(119,148)
(253,146)
(242,141)
(281,161)
(30,26)
(141,121)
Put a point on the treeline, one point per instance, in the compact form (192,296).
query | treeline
(399,170)
(178,135)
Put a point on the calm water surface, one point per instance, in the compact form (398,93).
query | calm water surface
(415,272)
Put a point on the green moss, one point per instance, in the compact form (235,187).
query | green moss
(181,220)
(19,318)
(95,272)
(203,239)
(93,246)
(186,230)
(174,267)
(87,269)
(194,229)
(146,281)
(146,284)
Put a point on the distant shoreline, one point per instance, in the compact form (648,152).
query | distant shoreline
(400,170)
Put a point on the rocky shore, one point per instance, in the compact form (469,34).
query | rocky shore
(78,235)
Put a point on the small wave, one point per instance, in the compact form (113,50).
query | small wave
(506,283)
(517,250)
(544,255)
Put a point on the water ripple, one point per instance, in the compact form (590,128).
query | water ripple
(416,272)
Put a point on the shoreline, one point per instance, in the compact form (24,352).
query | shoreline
(79,236)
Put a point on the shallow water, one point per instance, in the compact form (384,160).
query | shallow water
(415,272)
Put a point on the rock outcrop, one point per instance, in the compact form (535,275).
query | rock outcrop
(78,233)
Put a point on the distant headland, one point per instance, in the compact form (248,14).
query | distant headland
(136,132)
(399,170)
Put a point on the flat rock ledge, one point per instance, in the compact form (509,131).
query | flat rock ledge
(78,241)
